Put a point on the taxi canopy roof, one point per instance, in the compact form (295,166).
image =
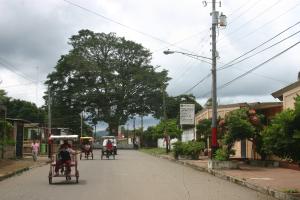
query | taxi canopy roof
(91,139)
(63,137)
(108,137)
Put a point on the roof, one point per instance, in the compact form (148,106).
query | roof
(254,105)
(64,137)
(31,125)
(17,120)
(279,93)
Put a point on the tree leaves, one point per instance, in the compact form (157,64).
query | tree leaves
(107,76)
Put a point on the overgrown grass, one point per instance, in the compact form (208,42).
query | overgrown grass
(290,191)
(154,151)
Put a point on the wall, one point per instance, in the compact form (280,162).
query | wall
(288,98)
(9,152)
(162,144)
(207,114)
(188,135)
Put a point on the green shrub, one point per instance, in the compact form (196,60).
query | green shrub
(222,154)
(191,149)
(178,149)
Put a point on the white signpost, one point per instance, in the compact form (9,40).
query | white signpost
(187,114)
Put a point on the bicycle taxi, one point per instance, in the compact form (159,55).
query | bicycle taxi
(63,157)
(86,145)
(109,147)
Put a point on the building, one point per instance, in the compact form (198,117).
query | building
(18,134)
(243,149)
(287,94)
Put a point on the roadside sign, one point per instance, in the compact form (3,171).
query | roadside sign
(187,114)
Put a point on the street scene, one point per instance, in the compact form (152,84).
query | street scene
(133,175)
(161,99)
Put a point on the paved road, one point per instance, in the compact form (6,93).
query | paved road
(132,176)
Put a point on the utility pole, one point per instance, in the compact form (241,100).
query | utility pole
(214,15)
(49,122)
(142,130)
(165,121)
(49,111)
(81,123)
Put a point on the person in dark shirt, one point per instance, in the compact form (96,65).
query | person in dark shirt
(64,156)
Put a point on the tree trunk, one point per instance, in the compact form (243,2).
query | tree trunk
(113,129)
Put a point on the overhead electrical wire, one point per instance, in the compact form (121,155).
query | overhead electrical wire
(252,19)
(246,53)
(13,69)
(264,25)
(269,47)
(121,24)
(244,12)
(253,69)
(260,45)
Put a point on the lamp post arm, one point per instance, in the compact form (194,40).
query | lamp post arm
(189,54)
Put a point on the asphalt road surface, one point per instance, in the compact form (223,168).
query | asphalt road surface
(132,176)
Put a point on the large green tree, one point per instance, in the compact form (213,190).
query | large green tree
(108,77)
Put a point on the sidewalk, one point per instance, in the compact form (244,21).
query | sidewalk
(10,168)
(276,182)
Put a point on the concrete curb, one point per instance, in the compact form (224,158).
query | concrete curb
(265,190)
(20,171)
(11,174)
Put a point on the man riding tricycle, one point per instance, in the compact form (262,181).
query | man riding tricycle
(108,147)
(86,145)
(63,157)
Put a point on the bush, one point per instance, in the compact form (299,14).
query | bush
(222,155)
(178,149)
(191,149)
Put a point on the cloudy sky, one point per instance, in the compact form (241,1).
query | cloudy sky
(35,33)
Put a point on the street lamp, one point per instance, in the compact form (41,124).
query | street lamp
(167,52)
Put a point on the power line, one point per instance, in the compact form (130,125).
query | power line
(269,47)
(265,24)
(120,24)
(246,53)
(13,69)
(252,19)
(248,9)
(253,69)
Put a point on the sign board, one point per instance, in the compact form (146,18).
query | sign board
(187,114)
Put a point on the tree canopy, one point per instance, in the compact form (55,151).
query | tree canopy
(17,108)
(108,77)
